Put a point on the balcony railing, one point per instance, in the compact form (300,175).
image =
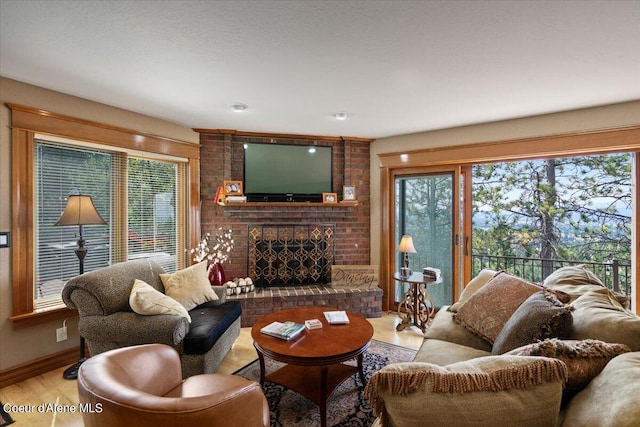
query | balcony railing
(615,274)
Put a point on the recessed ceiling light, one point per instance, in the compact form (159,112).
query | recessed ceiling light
(238,108)
(341,116)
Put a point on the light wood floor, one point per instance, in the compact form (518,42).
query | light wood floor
(51,388)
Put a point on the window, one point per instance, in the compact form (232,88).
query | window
(532,217)
(423,162)
(150,220)
(145,187)
(151,211)
(59,172)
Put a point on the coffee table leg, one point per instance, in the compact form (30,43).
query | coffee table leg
(262,368)
(323,396)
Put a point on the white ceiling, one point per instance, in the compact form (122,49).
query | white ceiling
(395,67)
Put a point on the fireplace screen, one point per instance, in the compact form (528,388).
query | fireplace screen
(289,255)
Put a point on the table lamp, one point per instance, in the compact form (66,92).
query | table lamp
(406,246)
(80,211)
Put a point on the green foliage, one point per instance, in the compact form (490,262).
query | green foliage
(427,216)
(567,208)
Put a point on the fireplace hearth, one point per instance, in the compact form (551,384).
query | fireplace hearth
(291,254)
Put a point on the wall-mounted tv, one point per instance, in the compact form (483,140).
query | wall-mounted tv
(292,173)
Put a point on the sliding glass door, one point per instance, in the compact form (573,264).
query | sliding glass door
(427,208)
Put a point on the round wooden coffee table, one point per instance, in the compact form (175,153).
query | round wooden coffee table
(314,358)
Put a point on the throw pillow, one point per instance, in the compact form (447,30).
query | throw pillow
(488,309)
(573,275)
(146,300)
(190,286)
(541,316)
(599,316)
(577,280)
(482,392)
(474,284)
(611,398)
(584,358)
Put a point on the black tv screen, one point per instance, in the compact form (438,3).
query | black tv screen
(272,170)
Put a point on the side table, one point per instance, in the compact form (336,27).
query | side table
(418,305)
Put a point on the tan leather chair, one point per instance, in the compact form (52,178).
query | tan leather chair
(142,386)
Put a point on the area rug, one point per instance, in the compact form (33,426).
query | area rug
(346,406)
(5,419)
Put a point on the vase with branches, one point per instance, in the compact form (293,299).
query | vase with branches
(216,250)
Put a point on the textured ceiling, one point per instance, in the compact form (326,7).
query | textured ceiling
(394,67)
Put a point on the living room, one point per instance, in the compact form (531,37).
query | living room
(29,344)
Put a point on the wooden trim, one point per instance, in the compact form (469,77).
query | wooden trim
(343,204)
(194,206)
(281,135)
(457,234)
(22,221)
(467,229)
(593,142)
(26,320)
(386,266)
(39,366)
(46,122)
(25,122)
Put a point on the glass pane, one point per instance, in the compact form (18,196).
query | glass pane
(424,210)
(535,216)
(152,211)
(60,172)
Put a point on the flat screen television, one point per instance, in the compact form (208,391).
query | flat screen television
(291,173)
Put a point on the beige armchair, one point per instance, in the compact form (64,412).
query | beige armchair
(143,386)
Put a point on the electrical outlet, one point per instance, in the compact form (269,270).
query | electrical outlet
(61,334)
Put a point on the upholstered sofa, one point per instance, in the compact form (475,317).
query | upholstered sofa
(570,358)
(137,302)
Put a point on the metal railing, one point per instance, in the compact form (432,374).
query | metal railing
(615,274)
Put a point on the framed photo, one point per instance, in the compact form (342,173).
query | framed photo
(348,192)
(233,188)
(329,198)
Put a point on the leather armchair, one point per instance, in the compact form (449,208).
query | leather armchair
(143,386)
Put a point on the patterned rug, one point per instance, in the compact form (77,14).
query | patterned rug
(5,419)
(346,406)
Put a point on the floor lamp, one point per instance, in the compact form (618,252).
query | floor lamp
(80,211)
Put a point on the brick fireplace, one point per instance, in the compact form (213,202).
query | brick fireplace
(221,158)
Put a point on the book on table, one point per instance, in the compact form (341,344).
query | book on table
(336,317)
(283,330)
(313,324)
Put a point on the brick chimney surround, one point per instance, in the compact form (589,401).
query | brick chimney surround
(221,158)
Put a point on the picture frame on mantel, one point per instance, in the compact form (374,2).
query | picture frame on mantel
(349,193)
(329,198)
(233,188)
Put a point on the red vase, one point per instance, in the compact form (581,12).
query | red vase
(216,274)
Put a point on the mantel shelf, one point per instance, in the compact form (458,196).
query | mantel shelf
(344,204)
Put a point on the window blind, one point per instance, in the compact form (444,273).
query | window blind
(141,199)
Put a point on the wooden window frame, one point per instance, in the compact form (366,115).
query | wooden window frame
(26,122)
(616,140)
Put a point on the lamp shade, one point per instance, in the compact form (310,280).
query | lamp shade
(406,245)
(80,210)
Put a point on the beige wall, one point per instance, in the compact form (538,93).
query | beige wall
(611,116)
(24,345)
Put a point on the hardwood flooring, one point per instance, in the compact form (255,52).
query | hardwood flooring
(52,389)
